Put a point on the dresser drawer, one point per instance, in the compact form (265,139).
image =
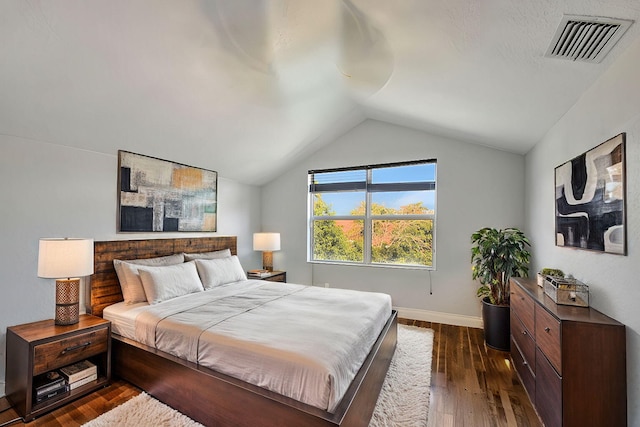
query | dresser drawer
(524,340)
(524,370)
(548,337)
(523,305)
(66,351)
(548,403)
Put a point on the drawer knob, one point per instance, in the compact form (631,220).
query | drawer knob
(547,329)
(525,363)
(524,332)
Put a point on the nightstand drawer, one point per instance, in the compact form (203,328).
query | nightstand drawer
(63,352)
(278,278)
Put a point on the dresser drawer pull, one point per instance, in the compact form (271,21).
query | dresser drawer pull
(547,329)
(524,332)
(525,363)
(75,347)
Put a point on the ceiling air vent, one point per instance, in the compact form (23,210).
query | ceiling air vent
(586,38)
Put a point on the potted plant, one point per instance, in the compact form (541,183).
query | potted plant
(553,272)
(496,256)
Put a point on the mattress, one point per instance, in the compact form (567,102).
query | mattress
(123,318)
(303,342)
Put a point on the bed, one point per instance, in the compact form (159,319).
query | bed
(209,394)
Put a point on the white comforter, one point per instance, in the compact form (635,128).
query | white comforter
(303,342)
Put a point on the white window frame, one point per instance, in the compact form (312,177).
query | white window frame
(368,218)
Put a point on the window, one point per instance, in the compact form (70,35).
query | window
(373,215)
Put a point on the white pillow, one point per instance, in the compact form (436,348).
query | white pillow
(208,255)
(216,272)
(127,271)
(167,282)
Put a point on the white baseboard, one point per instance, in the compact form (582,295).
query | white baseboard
(1,388)
(439,317)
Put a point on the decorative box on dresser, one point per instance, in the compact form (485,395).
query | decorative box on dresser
(34,349)
(571,360)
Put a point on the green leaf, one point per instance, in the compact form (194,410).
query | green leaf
(496,256)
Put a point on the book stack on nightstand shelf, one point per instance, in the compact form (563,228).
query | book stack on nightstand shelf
(258,274)
(271,276)
(49,385)
(79,373)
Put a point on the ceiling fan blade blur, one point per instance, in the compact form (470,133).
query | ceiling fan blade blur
(366,60)
(243,31)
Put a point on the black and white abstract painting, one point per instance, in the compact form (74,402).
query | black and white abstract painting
(590,199)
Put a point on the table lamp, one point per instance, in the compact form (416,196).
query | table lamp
(267,243)
(66,260)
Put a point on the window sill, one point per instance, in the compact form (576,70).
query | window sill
(393,266)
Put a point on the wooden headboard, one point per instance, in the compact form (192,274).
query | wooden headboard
(104,285)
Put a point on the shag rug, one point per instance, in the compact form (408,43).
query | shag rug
(403,401)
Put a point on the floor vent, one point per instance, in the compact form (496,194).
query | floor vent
(586,38)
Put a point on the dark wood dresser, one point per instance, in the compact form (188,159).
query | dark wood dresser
(571,360)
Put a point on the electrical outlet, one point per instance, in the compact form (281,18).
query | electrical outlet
(326,285)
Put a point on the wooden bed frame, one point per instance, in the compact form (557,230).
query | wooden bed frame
(210,397)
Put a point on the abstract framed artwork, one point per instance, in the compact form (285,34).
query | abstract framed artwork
(163,196)
(590,199)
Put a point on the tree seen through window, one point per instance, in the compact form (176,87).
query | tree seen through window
(395,228)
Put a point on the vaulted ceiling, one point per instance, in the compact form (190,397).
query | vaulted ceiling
(246,87)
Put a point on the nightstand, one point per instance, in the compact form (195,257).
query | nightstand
(34,349)
(274,276)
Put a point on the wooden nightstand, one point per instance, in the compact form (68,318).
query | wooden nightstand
(36,348)
(274,276)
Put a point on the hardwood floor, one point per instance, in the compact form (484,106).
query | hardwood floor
(471,386)
(79,411)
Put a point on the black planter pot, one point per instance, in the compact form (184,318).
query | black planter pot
(496,325)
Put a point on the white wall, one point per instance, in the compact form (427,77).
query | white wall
(476,187)
(54,191)
(608,108)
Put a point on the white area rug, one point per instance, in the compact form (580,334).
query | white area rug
(403,401)
(142,411)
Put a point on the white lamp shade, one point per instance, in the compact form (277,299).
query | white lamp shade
(266,241)
(59,258)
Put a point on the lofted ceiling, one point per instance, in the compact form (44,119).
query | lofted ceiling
(247,87)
